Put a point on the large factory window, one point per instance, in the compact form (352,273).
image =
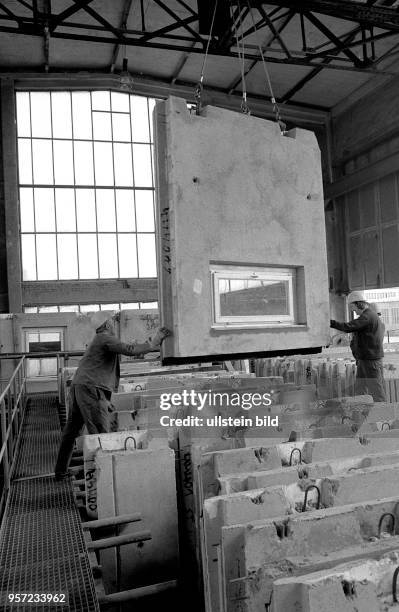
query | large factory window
(86,185)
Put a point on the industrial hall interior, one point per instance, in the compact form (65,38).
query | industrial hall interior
(199,305)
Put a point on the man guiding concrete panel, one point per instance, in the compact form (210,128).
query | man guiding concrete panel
(366,346)
(96,377)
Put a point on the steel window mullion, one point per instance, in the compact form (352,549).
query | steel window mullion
(55,214)
(33,180)
(95,184)
(134,187)
(74,187)
(113,169)
(152,166)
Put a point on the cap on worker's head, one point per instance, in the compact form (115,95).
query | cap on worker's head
(356,296)
(102,319)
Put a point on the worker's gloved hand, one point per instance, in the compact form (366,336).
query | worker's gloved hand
(332,323)
(162,333)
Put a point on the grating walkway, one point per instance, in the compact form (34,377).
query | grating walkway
(42,548)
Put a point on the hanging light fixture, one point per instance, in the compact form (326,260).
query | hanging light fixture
(125,78)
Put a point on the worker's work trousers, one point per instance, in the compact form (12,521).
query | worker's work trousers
(88,406)
(370,379)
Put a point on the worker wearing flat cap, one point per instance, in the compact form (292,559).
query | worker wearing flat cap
(366,345)
(96,377)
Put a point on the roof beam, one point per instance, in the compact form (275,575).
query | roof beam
(337,42)
(374,15)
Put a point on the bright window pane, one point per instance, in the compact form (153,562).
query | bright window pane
(147,256)
(123,165)
(44,209)
(72,308)
(81,114)
(88,267)
(89,308)
(103,163)
(108,257)
(105,210)
(28,257)
(29,309)
(42,162)
(67,256)
(121,127)
(65,210)
(139,114)
(85,210)
(100,100)
(148,304)
(130,306)
(84,171)
(48,337)
(23,113)
(46,257)
(41,115)
(145,211)
(151,106)
(63,162)
(26,209)
(125,210)
(109,306)
(119,102)
(24,161)
(142,165)
(127,255)
(102,126)
(61,114)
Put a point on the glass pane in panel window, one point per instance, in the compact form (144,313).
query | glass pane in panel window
(42,162)
(44,209)
(85,210)
(67,256)
(102,126)
(48,337)
(105,210)
(108,257)
(121,127)
(65,210)
(139,115)
(24,161)
(148,304)
(23,113)
(61,114)
(28,257)
(147,258)
(100,100)
(103,163)
(88,266)
(142,165)
(123,165)
(120,102)
(46,257)
(30,309)
(26,209)
(33,368)
(109,306)
(130,306)
(84,171)
(41,114)
(89,308)
(254,298)
(145,211)
(63,162)
(81,114)
(72,308)
(125,210)
(127,255)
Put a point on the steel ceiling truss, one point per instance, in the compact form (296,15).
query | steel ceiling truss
(366,23)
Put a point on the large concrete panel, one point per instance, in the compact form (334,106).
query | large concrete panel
(232,191)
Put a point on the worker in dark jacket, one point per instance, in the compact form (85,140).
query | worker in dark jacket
(366,345)
(96,377)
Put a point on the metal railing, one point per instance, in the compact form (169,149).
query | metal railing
(12,409)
